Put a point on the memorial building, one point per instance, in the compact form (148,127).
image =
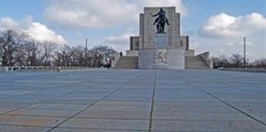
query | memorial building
(160,44)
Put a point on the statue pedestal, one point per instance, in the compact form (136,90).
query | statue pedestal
(161,41)
(161,55)
(161,59)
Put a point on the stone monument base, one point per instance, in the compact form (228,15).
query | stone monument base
(161,59)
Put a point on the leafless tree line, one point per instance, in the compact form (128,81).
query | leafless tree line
(237,61)
(18,49)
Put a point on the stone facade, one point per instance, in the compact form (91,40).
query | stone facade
(160,51)
(184,41)
(134,43)
(148,30)
(161,59)
(163,50)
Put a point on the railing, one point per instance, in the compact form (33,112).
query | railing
(40,68)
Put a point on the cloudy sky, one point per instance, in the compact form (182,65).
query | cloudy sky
(217,26)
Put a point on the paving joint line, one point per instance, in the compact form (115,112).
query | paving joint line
(224,102)
(152,102)
(44,100)
(92,104)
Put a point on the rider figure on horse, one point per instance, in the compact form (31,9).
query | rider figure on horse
(160,21)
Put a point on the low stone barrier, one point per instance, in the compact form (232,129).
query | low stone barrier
(260,70)
(3,69)
(41,68)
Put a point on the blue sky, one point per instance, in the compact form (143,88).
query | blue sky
(111,22)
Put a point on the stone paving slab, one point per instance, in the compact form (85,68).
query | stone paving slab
(133,101)
(122,103)
(33,121)
(111,124)
(46,106)
(200,116)
(43,112)
(110,114)
(207,126)
(13,128)
(70,101)
(92,130)
(13,104)
(192,108)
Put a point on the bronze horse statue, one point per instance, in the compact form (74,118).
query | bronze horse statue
(160,21)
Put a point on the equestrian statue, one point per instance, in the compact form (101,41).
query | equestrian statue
(160,21)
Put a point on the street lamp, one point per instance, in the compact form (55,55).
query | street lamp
(244,41)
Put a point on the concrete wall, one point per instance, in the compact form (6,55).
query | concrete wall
(141,30)
(189,52)
(134,43)
(184,41)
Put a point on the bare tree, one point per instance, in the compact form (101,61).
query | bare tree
(16,48)
(48,49)
(236,60)
(221,61)
(64,56)
(79,56)
(261,63)
(102,55)
(11,45)
(32,50)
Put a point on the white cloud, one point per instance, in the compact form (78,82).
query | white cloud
(158,3)
(224,25)
(36,30)
(121,39)
(255,47)
(41,33)
(8,23)
(120,42)
(101,13)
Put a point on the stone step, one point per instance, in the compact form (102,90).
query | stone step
(127,62)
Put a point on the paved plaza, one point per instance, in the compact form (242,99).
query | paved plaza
(133,100)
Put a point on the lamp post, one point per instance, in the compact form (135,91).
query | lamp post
(244,41)
(86,52)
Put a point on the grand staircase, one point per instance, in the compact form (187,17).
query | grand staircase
(195,62)
(191,62)
(127,62)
